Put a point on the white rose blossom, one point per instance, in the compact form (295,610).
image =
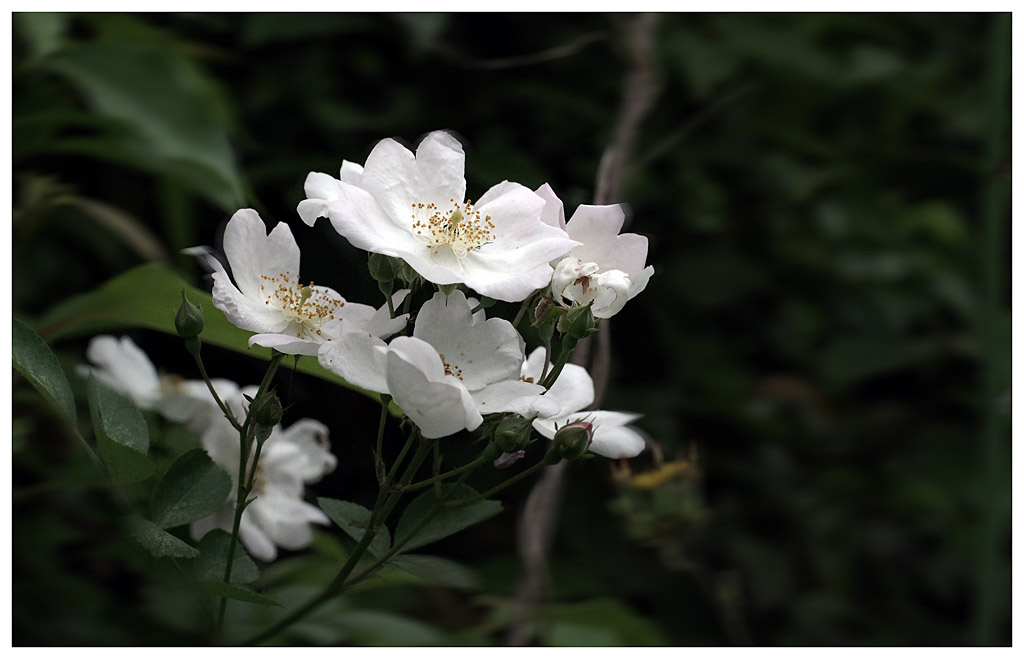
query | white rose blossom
(125,368)
(607,269)
(267,296)
(574,391)
(455,368)
(291,458)
(414,207)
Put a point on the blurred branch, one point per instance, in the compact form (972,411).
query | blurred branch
(693,124)
(558,52)
(537,525)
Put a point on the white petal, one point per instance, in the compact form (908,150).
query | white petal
(390,177)
(358,357)
(554,211)
(440,168)
(252,253)
(284,343)
(597,227)
(485,352)
(124,367)
(359,217)
(573,390)
(516,396)
(614,289)
(310,437)
(351,172)
(248,313)
(437,404)
(617,442)
(255,540)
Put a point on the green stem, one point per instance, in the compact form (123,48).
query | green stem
(445,476)
(337,585)
(497,488)
(568,345)
(213,392)
(245,479)
(522,310)
(378,456)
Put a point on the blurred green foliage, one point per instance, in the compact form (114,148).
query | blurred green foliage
(812,189)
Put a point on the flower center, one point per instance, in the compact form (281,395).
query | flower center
(449,369)
(305,306)
(460,227)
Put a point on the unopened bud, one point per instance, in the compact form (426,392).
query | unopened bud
(578,322)
(188,321)
(513,433)
(384,268)
(571,441)
(266,410)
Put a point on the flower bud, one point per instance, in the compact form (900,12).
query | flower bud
(188,321)
(578,322)
(513,433)
(571,441)
(384,268)
(266,410)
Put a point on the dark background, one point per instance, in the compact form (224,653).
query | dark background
(826,198)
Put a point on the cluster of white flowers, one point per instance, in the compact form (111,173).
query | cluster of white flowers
(456,366)
(292,457)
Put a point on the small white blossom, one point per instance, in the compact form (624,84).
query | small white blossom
(268,297)
(291,458)
(607,269)
(414,207)
(455,368)
(125,368)
(573,390)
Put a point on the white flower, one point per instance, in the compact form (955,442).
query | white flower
(414,207)
(270,299)
(125,368)
(574,391)
(608,268)
(291,458)
(455,368)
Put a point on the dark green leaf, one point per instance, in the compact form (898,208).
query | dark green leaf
(446,522)
(121,434)
(34,359)
(600,621)
(221,589)
(158,542)
(381,628)
(192,488)
(438,571)
(353,520)
(148,297)
(213,558)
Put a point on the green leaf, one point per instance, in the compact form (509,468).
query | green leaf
(148,296)
(599,621)
(158,542)
(34,359)
(192,488)
(381,628)
(438,571)
(170,117)
(121,434)
(446,522)
(354,520)
(221,589)
(213,559)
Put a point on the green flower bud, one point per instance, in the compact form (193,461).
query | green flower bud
(384,268)
(513,433)
(578,322)
(188,321)
(266,410)
(571,441)
(447,289)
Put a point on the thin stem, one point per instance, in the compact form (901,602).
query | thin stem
(522,310)
(568,345)
(497,488)
(378,456)
(245,480)
(547,359)
(337,585)
(213,392)
(445,476)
